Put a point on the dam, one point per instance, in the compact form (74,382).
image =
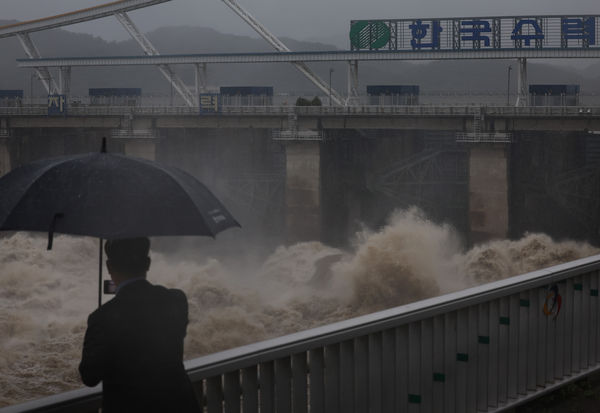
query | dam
(412,257)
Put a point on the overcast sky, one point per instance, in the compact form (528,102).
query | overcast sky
(324,20)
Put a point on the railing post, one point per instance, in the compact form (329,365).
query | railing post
(594,308)
(568,321)
(577,299)
(532,335)
(414,367)
(332,378)
(283,384)
(473,361)
(388,386)
(232,392)
(361,377)
(483,355)
(250,389)
(266,384)
(507,354)
(542,336)
(317,381)
(439,372)
(299,383)
(450,362)
(214,395)
(427,365)
(347,377)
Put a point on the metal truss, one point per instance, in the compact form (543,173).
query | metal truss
(577,191)
(78,16)
(329,56)
(201,77)
(64,80)
(42,73)
(522,85)
(281,47)
(353,94)
(421,178)
(118,9)
(150,50)
(259,193)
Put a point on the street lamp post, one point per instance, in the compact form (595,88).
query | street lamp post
(330,72)
(508,87)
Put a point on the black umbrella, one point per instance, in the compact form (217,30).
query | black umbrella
(108,196)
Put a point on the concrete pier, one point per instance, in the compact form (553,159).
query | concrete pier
(303,192)
(488,192)
(140,148)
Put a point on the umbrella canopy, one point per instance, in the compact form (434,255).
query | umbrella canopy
(108,196)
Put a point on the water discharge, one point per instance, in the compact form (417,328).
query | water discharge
(45,296)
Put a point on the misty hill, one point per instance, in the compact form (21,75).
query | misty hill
(471,76)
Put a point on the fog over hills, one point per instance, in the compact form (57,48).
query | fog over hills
(460,76)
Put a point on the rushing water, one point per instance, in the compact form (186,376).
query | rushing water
(45,296)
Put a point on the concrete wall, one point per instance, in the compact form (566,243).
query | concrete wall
(245,168)
(5,164)
(449,120)
(555,186)
(344,155)
(488,192)
(302,192)
(140,148)
(324,191)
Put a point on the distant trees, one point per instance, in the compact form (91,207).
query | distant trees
(305,102)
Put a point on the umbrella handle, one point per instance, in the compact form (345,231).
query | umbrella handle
(52,227)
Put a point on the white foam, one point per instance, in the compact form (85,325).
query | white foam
(45,296)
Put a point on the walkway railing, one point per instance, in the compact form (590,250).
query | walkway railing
(485,349)
(417,110)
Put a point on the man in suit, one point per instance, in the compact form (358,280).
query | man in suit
(134,342)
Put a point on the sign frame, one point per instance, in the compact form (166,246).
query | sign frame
(500,33)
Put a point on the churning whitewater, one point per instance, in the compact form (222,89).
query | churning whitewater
(45,296)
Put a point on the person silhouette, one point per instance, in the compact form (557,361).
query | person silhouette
(134,342)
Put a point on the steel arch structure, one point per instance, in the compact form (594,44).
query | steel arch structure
(77,16)
(119,9)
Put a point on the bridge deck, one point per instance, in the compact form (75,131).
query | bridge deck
(424,117)
(309,56)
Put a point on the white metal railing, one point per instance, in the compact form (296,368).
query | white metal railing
(297,135)
(484,349)
(129,133)
(484,137)
(365,110)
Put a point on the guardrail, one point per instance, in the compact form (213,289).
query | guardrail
(484,137)
(484,349)
(416,110)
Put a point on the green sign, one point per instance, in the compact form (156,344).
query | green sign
(365,34)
